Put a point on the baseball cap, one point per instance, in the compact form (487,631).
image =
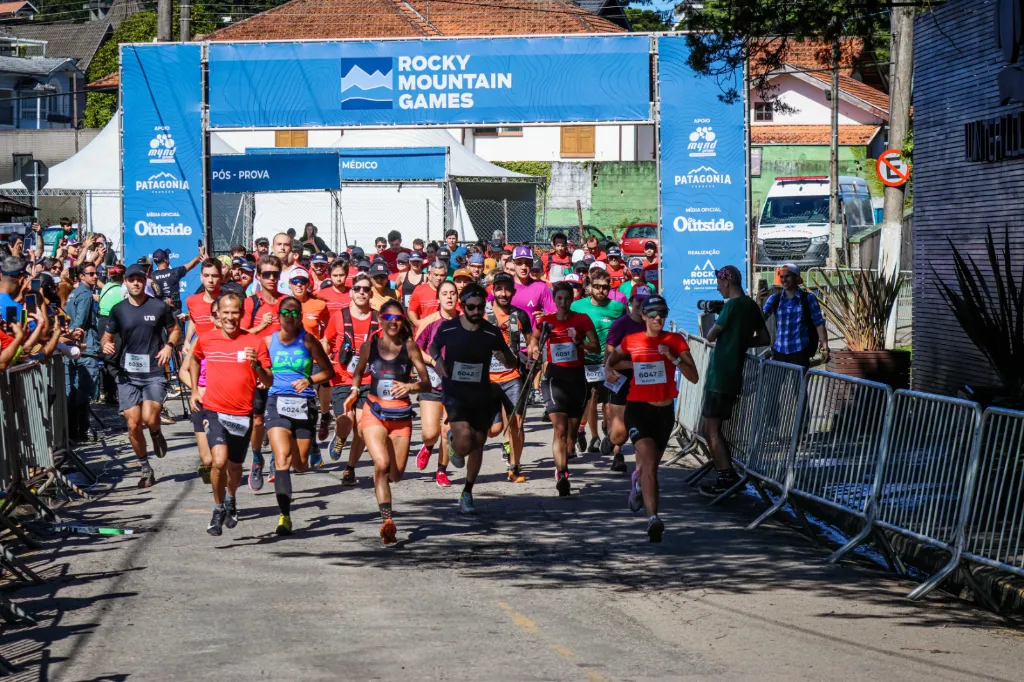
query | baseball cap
(237,262)
(636,264)
(498,235)
(642,292)
(572,278)
(378,269)
(135,269)
(476,259)
(403,257)
(522,252)
(615,252)
(319,258)
(578,255)
(299,273)
(443,254)
(160,256)
(652,244)
(655,302)
(496,244)
(262,240)
(377,258)
(581,266)
(793,268)
(115,269)
(598,265)
(344,255)
(503,277)
(462,272)
(415,256)
(246,265)
(357,252)
(363,265)
(537,265)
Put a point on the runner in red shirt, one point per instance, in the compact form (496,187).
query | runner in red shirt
(238,359)
(651,262)
(423,301)
(653,355)
(564,385)
(559,256)
(616,269)
(336,294)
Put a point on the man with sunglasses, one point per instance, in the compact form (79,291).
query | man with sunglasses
(533,296)
(738,327)
(260,317)
(462,350)
(289,262)
(83,310)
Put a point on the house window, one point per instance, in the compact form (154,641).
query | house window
(29,102)
(578,142)
(6,107)
(291,138)
(509,131)
(764,112)
(22,165)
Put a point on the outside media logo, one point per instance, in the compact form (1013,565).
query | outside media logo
(148,229)
(687,224)
(161,147)
(367,83)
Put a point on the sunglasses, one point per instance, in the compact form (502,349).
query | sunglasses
(656,313)
(271,274)
(299,281)
(467,307)
(291,313)
(392,317)
(361,289)
(91,273)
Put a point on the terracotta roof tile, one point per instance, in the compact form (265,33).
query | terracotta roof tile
(108,82)
(818,135)
(861,91)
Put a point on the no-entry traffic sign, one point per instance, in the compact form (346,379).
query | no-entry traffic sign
(892,168)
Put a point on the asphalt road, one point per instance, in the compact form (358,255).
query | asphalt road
(533,588)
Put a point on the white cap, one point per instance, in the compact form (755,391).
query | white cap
(600,265)
(578,255)
(793,267)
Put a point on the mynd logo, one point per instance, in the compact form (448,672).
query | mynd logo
(367,83)
(148,229)
(161,183)
(161,147)
(703,142)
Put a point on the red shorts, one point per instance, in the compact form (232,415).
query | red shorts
(394,428)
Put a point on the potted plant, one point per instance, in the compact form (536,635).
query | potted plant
(858,303)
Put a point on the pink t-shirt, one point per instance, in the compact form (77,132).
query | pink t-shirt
(534,296)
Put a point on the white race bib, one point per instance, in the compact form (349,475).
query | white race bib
(617,386)
(405,300)
(293,407)
(435,378)
(384,389)
(563,353)
(467,372)
(594,373)
(136,363)
(352,363)
(497,365)
(234,424)
(649,373)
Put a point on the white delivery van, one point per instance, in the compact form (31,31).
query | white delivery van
(793,227)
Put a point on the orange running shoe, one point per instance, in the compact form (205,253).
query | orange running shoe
(515,476)
(388,533)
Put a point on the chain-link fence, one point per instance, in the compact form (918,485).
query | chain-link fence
(510,207)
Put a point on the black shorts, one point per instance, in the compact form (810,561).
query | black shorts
(228,433)
(339,394)
(197,419)
(644,420)
(565,395)
(430,396)
(301,428)
(602,391)
(505,396)
(718,405)
(259,400)
(478,415)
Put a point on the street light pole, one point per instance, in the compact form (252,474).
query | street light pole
(835,231)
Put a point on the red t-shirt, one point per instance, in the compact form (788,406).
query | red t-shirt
(5,340)
(598,254)
(233,390)
(247,315)
(551,258)
(424,301)
(618,277)
(391,257)
(654,377)
(335,334)
(564,350)
(335,300)
(199,312)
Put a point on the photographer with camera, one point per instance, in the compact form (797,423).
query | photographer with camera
(738,327)
(799,324)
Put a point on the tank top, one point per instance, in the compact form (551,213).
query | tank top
(408,287)
(288,363)
(385,373)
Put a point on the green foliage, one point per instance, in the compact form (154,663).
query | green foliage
(859,303)
(540,169)
(647,20)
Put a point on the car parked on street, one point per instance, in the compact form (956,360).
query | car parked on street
(635,236)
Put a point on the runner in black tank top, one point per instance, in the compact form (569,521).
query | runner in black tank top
(409,285)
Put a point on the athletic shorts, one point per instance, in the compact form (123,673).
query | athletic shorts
(718,405)
(259,400)
(644,420)
(229,432)
(505,396)
(602,391)
(478,416)
(339,394)
(619,397)
(316,370)
(433,396)
(565,396)
(132,390)
(301,428)
(197,419)
(401,427)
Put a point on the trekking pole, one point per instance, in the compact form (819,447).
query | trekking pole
(520,407)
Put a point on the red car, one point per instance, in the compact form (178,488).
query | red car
(635,236)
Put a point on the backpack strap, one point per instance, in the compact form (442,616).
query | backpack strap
(513,330)
(257,301)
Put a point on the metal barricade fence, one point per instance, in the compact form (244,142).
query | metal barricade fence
(8,455)
(691,397)
(31,415)
(737,430)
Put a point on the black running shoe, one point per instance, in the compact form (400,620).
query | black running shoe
(563,486)
(159,444)
(618,463)
(595,445)
(216,522)
(607,447)
(655,529)
(348,477)
(230,512)
(721,484)
(581,441)
(148,479)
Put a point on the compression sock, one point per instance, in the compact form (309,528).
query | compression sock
(468,487)
(283,490)
(257,456)
(385,510)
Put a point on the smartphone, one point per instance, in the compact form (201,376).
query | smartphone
(10,314)
(35,284)
(31,301)
(200,243)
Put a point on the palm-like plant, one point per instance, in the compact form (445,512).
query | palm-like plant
(859,303)
(991,310)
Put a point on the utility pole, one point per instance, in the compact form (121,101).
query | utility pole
(186,20)
(836,245)
(164,21)
(901,67)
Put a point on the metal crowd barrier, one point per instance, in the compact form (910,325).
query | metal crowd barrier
(690,400)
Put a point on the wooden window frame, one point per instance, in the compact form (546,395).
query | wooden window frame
(763,112)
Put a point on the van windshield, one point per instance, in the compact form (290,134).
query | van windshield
(780,210)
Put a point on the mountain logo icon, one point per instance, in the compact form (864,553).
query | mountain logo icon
(367,83)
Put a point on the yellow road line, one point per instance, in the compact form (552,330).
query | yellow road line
(527,625)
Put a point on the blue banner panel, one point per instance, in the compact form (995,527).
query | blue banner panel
(430,82)
(380,163)
(275,172)
(161,150)
(703,182)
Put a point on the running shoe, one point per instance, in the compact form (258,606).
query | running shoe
(536,398)
(324,427)
(148,479)
(348,477)
(466,503)
(441,478)
(636,496)
(316,458)
(423,458)
(173,391)
(159,444)
(336,449)
(506,452)
(655,529)
(595,445)
(266,440)
(271,471)
(388,533)
(581,441)
(257,458)
(515,476)
(458,461)
(166,419)
(606,446)
(618,463)
(721,484)
(217,522)
(256,478)
(230,512)
(284,525)
(204,473)
(562,484)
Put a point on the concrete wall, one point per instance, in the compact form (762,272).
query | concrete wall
(619,193)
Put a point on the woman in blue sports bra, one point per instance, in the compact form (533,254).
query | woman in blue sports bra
(291,404)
